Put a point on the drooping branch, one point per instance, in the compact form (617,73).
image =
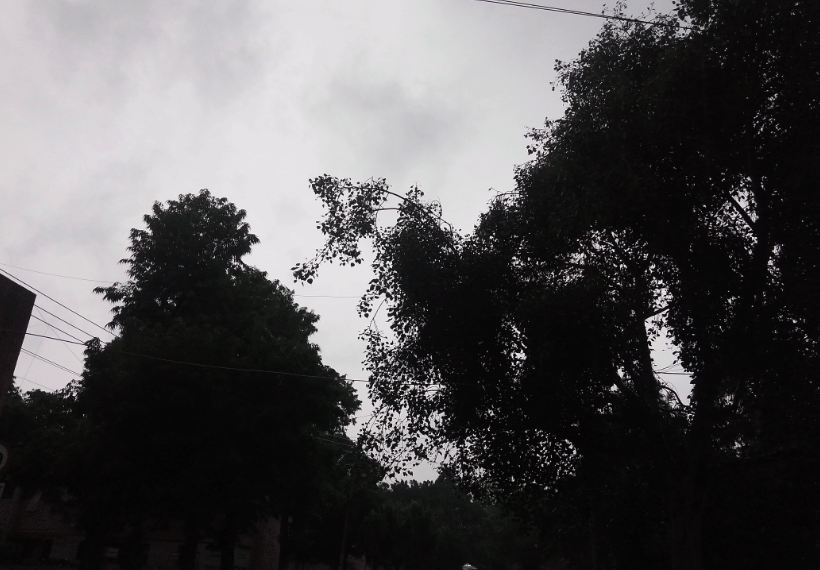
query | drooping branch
(351,216)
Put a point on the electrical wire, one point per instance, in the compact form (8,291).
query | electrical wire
(36,383)
(57,275)
(230,368)
(77,341)
(336,437)
(56,301)
(213,366)
(64,321)
(31,362)
(183,363)
(55,328)
(112,282)
(329,296)
(347,445)
(198,365)
(47,361)
(584,13)
(668,366)
(43,336)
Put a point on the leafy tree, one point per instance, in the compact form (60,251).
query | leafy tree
(185,421)
(41,428)
(317,530)
(677,196)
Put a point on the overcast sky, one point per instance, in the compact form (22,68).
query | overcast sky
(107,106)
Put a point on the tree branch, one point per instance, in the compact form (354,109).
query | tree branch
(743,213)
(658,312)
(624,389)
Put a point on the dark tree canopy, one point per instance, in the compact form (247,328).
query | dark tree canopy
(430,525)
(181,427)
(40,427)
(677,196)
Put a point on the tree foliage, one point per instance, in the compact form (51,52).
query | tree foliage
(41,428)
(185,422)
(431,525)
(315,533)
(676,197)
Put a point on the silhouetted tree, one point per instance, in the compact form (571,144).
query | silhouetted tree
(42,429)
(677,196)
(432,525)
(182,423)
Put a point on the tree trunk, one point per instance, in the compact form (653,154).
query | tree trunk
(593,547)
(686,508)
(227,543)
(284,553)
(131,551)
(93,547)
(343,549)
(187,551)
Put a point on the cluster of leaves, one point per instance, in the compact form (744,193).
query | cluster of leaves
(676,196)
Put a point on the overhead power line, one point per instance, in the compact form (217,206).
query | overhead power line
(35,383)
(339,443)
(196,364)
(530,6)
(260,371)
(57,275)
(111,282)
(64,321)
(43,336)
(330,296)
(338,437)
(47,361)
(210,366)
(56,301)
(55,328)
(229,368)
(55,331)
(184,363)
